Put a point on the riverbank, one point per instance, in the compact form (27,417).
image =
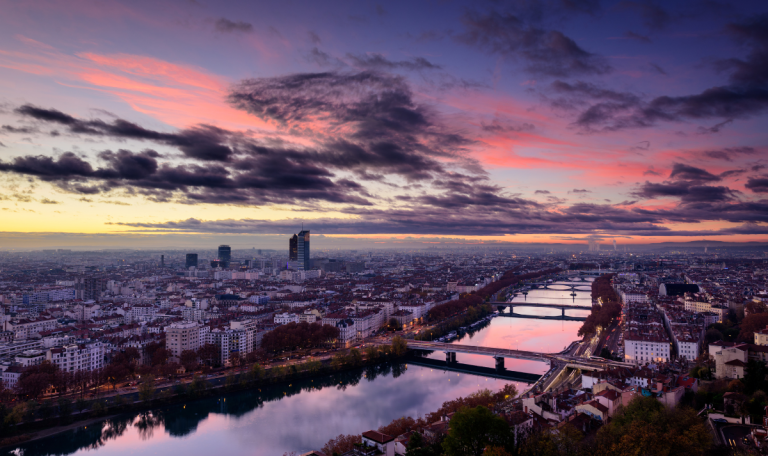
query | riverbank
(199,388)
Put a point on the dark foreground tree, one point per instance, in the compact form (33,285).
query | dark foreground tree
(472,430)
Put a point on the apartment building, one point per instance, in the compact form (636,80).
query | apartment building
(77,357)
(182,336)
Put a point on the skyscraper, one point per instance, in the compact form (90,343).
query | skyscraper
(303,250)
(225,255)
(293,248)
(191,260)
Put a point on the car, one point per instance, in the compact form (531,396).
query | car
(746,441)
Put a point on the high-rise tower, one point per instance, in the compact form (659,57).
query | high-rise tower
(225,255)
(303,250)
(293,248)
(191,260)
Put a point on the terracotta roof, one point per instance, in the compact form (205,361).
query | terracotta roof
(378,437)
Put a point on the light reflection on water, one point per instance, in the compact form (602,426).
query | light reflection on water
(305,416)
(269,422)
(544,336)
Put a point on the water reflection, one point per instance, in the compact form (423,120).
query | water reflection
(271,420)
(547,336)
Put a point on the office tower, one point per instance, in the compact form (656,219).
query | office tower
(225,255)
(191,260)
(162,261)
(303,250)
(293,248)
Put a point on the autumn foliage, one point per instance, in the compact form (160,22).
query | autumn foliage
(342,444)
(294,336)
(602,315)
(478,297)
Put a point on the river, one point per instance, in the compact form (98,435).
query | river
(306,414)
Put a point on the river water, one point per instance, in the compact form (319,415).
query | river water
(306,414)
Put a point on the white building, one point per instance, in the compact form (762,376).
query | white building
(646,350)
(76,357)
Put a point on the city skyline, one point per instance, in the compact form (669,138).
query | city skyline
(539,122)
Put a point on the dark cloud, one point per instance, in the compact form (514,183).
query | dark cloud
(314,38)
(580,190)
(18,130)
(687,192)
(228,26)
(732,172)
(269,180)
(380,10)
(729,153)
(323,59)
(546,52)
(745,95)
(375,61)
(490,221)
(385,130)
(757,184)
(499,127)
(203,142)
(48,201)
(542,192)
(714,128)
(681,171)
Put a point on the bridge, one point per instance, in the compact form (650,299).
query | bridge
(573,287)
(562,317)
(499,354)
(489,372)
(503,305)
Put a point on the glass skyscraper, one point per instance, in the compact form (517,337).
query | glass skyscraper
(191,260)
(303,250)
(293,248)
(225,255)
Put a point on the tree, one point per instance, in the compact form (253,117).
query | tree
(566,441)
(16,414)
(418,446)
(399,346)
(355,357)
(712,335)
(257,372)
(210,354)
(752,324)
(341,444)
(34,380)
(298,336)
(372,352)
(754,378)
(472,430)
(189,360)
(646,426)
(147,388)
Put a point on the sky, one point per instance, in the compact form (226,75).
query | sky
(522,121)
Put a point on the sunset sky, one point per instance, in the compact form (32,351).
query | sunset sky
(521,121)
